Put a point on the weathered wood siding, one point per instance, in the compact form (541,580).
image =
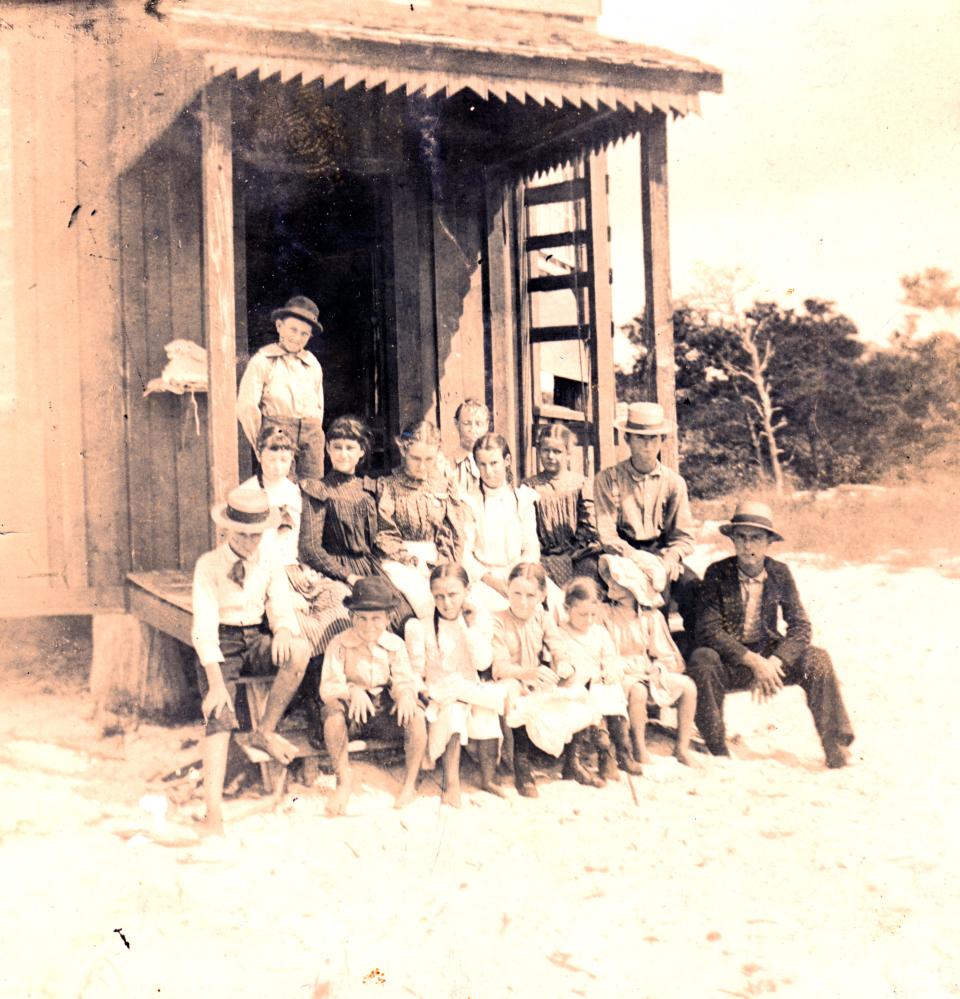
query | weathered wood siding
(166,437)
(458,245)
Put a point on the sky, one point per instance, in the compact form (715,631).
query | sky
(828,168)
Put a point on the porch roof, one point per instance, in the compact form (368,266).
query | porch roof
(440,51)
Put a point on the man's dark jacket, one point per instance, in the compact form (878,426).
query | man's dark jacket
(720,620)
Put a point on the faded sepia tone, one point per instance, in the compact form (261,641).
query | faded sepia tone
(476,194)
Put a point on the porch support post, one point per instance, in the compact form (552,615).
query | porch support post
(604,389)
(500,310)
(658,332)
(219,300)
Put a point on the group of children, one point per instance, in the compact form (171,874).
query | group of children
(446,603)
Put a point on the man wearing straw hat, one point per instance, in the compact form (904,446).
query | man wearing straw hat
(234,586)
(739,645)
(643,506)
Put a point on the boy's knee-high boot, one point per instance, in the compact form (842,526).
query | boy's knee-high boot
(522,771)
(573,767)
(620,736)
(505,767)
(487,758)
(606,756)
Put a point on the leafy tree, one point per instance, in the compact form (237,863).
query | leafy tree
(770,393)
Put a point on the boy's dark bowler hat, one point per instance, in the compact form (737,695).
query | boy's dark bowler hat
(300,307)
(371,593)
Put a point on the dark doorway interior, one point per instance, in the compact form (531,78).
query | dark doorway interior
(321,237)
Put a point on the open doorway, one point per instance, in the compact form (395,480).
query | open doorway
(322,237)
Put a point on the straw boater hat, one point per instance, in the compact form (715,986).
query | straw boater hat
(645,419)
(247,510)
(300,307)
(752,513)
(371,593)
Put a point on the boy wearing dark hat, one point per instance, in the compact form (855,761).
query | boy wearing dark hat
(233,587)
(369,690)
(283,386)
(739,645)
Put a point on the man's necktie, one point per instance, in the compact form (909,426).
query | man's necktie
(238,572)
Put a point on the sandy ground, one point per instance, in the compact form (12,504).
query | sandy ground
(760,875)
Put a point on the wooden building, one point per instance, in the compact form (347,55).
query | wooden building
(176,169)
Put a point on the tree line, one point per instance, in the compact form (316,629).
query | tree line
(793,397)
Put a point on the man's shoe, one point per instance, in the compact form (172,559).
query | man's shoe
(837,757)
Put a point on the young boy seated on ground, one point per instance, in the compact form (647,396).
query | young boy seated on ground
(369,690)
(233,586)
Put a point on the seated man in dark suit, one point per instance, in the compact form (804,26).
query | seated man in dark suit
(739,646)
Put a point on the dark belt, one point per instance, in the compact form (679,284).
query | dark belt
(236,630)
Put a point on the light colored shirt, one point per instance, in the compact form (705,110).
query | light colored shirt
(751,593)
(592,652)
(278,383)
(452,648)
(501,531)
(217,599)
(461,469)
(642,637)
(284,496)
(350,662)
(652,509)
(520,645)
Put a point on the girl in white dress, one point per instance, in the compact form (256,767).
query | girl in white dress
(501,525)
(450,652)
(544,710)
(599,669)
(276,452)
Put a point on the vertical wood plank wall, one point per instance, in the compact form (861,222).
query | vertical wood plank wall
(99,330)
(458,245)
(500,315)
(57,303)
(410,316)
(167,459)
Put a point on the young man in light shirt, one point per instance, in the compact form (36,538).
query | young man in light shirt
(243,624)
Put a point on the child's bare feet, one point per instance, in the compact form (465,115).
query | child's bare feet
(211,826)
(337,802)
(450,796)
(688,758)
(282,750)
(406,795)
(493,789)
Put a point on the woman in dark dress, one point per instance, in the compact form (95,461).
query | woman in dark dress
(338,530)
(566,522)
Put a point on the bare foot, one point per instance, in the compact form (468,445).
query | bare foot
(493,789)
(450,796)
(282,750)
(688,758)
(212,826)
(406,795)
(337,802)
(644,757)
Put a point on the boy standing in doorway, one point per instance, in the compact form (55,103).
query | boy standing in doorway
(282,386)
